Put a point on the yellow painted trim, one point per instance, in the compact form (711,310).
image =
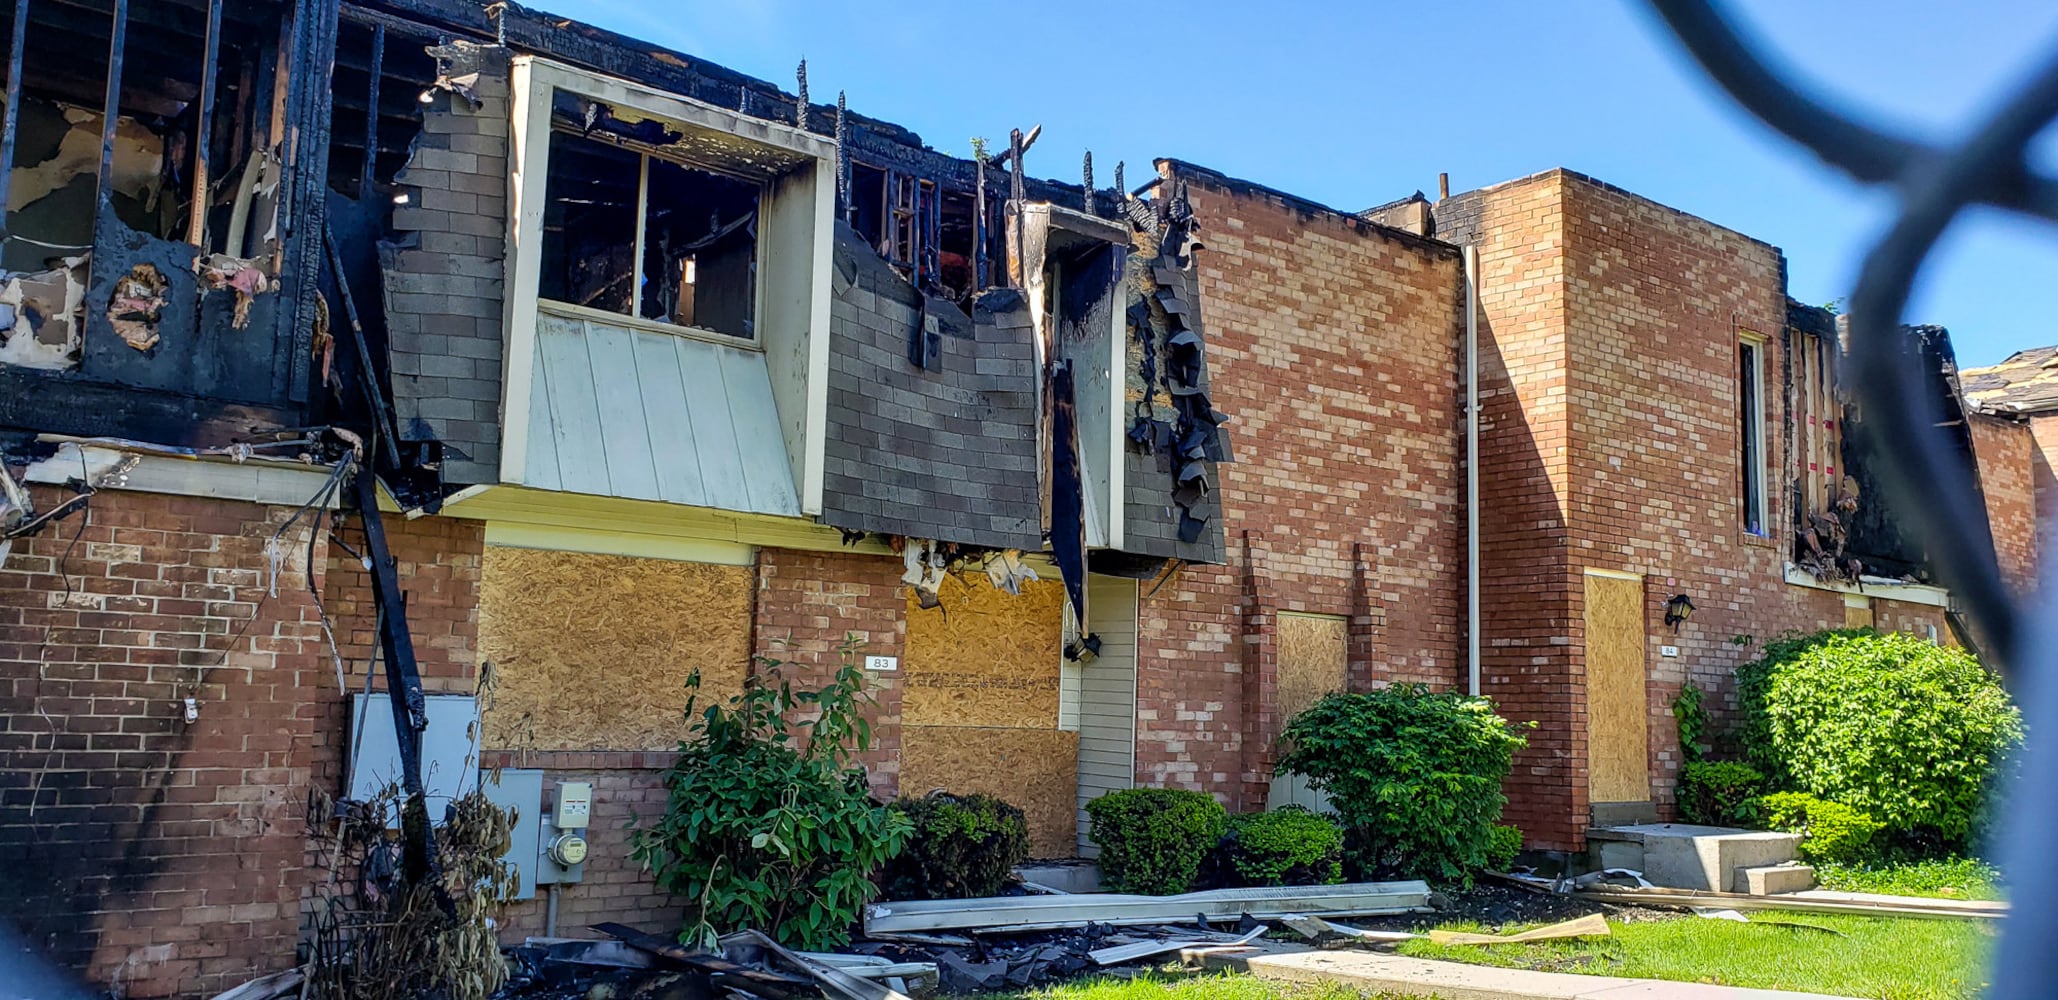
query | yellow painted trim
(1752,337)
(548,509)
(1614,574)
(562,538)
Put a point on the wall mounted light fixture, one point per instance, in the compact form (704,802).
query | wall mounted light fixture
(1678,609)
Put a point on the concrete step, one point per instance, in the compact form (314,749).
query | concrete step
(1771,880)
(1685,856)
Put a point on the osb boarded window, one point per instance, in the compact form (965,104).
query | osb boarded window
(979,710)
(1314,657)
(985,657)
(593,651)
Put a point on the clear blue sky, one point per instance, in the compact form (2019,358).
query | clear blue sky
(1356,103)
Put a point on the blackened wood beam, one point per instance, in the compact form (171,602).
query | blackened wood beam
(111,109)
(196,225)
(403,684)
(371,118)
(14,58)
(66,403)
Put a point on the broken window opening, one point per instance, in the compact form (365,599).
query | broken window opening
(903,217)
(1751,434)
(163,150)
(629,232)
(955,260)
(388,66)
(868,204)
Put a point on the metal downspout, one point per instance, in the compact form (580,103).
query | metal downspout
(1470,260)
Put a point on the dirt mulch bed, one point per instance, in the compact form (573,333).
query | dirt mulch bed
(1495,906)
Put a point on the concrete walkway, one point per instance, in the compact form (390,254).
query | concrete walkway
(1457,981)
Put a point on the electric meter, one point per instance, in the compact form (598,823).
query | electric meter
(568,849)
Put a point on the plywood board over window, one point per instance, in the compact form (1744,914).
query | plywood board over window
(593,652)
(979,704)
(1617,719)
(1313,660)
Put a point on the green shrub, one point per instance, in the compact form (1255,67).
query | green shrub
(961,847)
(1415,776)
(1153,840)
(1289,846)
(1502,844)
(1832,833)
(1710,790)
(1904,730)
(768,824)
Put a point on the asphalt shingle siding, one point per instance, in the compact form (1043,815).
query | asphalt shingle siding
(946,453)
(443,279)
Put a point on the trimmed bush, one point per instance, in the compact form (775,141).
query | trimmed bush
(1152,840)
(1501,847)
(962,847)
(1415,777)
(1710,790)
(1832,833)
(1289,846)
(1901,729)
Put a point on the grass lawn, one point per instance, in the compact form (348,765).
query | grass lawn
(1960,878)
(1867,957)
(1217,986)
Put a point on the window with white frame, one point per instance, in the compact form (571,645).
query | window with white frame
(631,232)
(641,212)
(1751,434)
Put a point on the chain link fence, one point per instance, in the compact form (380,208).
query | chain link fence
(1925,479)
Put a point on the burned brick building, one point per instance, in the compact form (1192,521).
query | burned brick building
(418,392)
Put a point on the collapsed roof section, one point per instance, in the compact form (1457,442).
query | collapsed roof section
(1846,531)
(2026,383)
(988,332)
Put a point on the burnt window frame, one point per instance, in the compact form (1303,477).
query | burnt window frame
(796,217)
(639,247)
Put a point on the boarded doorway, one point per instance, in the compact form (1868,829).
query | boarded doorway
(1313,660)
(979,710)
(1617,700)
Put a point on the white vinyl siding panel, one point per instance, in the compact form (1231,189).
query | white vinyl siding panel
(1107,698)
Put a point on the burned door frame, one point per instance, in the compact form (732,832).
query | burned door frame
(797,209)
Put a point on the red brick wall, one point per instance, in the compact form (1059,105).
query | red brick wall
(2007,455)
(1924,621)
(159,855)
(1610,438)
(437,560)
(807,603)
(1527,590)
(1333,345)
